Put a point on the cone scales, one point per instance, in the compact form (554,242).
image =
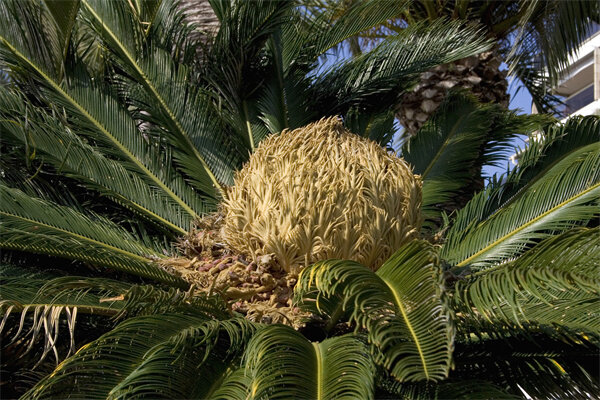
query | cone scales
(321,192)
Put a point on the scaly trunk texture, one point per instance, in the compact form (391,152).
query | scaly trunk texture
(200,12)
(479,74)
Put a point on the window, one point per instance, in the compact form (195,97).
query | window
(580,100)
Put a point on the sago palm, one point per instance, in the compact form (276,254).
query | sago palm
(119,142)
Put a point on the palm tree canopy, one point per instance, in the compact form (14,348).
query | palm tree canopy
(535,38)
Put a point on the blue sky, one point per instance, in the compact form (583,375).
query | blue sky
(519,100)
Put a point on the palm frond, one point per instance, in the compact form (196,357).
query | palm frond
(321,33)
(93,111)
(235,65)
(206,151)
(55,144)
(528,69)
(151,300)
(556,284)
(465,389)
(401,306)
(64,14)
(156,355)
(234,386)
(546,150)
(388,70)
(379,127)
(42,227)
(283,364)
(283,99)
(45,302)
(564,197)
(557,28)
(545,368)
(453,146)
(20,39)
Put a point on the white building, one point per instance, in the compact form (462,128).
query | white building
(580,85)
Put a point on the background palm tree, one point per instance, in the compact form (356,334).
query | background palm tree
(116,138)
(533,38)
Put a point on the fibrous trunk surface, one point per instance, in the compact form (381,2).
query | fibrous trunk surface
(257,288)
(479,74)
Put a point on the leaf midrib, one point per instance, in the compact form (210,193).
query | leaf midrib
(158,97)
(526,225)
(82,237)
(105,132)
(445,144)
(144,210)
(86,309)
(404,313)
(319,370)
(535,179)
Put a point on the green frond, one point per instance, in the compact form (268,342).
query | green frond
(528,69)
(541,368)
(379,127)
(55,144)
(556,283)
(451,148)
(322,33)
(42,227)
(543,152)
(284,98)
(376,79)
(172,99)
(88,48)
(21,39)
(167,356)
(42,303)
(235,69)
(151,300)
(465,389)
(64,14)
(206,151)
(234,385)
(282,364)
(401,306)
(564,197)
(23,289)
(556,28)
(92,110)
(446,149)
(45,301)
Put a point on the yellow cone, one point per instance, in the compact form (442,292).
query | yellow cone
(321,192)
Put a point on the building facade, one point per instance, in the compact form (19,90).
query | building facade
(580,85)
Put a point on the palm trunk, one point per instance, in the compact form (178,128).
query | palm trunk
(200,12)
(480,74)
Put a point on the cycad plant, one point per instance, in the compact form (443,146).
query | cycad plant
(118,142)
